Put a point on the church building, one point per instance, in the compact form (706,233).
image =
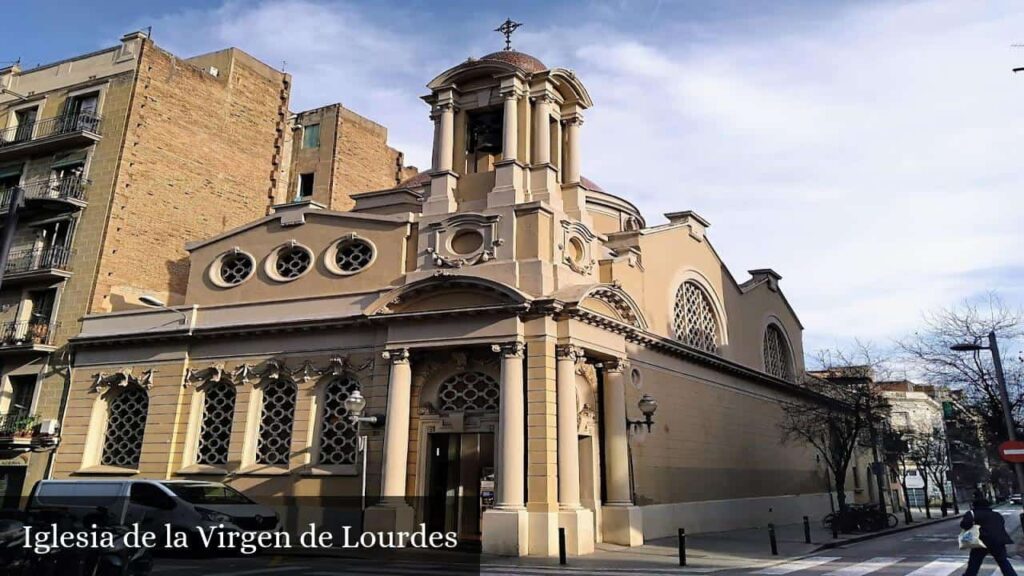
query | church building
(504,347)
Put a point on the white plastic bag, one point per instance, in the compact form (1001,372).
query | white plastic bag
(970,538)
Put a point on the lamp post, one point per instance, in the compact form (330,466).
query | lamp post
(648,406)
(354,405)
(1004,397)
(154,302)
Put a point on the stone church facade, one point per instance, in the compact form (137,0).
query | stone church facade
(505,319)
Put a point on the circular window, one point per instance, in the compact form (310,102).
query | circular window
(289,262)
(576,250)
(350,255)
(636,378)
(231,269)
(466,241)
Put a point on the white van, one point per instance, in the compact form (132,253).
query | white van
(185,505)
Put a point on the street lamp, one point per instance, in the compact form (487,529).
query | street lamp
(354,405)
(1004,397)
(154,302)
(648,406)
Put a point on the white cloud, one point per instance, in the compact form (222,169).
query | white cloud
(870,155)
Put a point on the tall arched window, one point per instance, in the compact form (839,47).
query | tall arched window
(276,421)
(776,353)
(694,317)
(468,392)
(218,416)
(126,426)
(338,441)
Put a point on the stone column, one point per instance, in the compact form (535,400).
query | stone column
(572,155)
(623,523)
(505,528)
(435,152)
(393,513)
(541,130)
(510,494)
(568,441)
(616,434)
(510,129)
(446,139)
(396,425)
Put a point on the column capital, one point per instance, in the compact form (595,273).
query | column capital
(573,120)
(398,356)
(511,94)
(509,349)
(616,366)
(568,352)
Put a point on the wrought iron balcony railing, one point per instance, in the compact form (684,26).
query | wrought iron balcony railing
(17,423)
(69,188)
(47,127)
(31,259)
(30,332)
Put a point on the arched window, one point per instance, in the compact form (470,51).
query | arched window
(776,353)
(469,392)
(218,415)
(126,426)
(694,317)
(338,442)
(276,420)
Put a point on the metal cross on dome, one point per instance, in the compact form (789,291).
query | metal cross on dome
(507,28)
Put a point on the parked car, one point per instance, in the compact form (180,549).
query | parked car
(1016,498)
(185,505)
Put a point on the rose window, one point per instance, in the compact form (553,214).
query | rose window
(292,262)
(353,255)
(235,268)
(469,391)
(126,425)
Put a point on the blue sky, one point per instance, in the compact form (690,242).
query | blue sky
(868,151)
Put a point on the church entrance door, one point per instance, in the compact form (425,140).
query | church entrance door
(460,476)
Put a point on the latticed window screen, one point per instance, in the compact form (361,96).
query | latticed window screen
(694,317)
(776,353)
(292,262)
(353,255)
(338,442)
(218,415)
(276,421)
(126,425)
(469,391)
(235,268)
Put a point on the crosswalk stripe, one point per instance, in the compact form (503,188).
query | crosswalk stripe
(797,565)
(1019,568)
(940,567)
(866,567)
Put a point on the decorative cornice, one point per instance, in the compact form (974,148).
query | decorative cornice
(102,381)
(243,373)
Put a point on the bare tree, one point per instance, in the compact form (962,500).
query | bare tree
(929,454)
(849,409)
(928,353)
(897,458)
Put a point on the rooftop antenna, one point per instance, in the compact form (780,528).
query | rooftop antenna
(149,32)
(507,28)
(1018,69)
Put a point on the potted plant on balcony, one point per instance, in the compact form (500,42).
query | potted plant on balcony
(24,426)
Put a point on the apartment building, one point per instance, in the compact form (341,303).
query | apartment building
(123,155)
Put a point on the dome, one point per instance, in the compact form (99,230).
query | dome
(520,60)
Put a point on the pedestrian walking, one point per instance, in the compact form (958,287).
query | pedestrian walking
(993,535)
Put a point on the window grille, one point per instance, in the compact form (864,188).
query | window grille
(338,442)
(126,425)
(469,391)
(276,420)
(235,268)
(353,255)
(218,416)
(776,353)
(695,322)
(292,262)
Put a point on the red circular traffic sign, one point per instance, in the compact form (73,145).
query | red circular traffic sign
(1012,451)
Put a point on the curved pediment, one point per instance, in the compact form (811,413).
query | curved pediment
(612,301)
(447,292)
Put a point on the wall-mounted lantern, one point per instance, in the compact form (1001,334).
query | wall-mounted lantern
(648,406)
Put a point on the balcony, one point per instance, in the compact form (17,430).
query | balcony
(22,432)
(51,263)
(50,135)
(30,336)
(49,194)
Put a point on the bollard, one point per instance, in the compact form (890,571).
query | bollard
(807,530)
(835,529)
(682,547)
(771,538)
(561,546)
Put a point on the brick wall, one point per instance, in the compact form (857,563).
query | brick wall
(363,160)
(198,159)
